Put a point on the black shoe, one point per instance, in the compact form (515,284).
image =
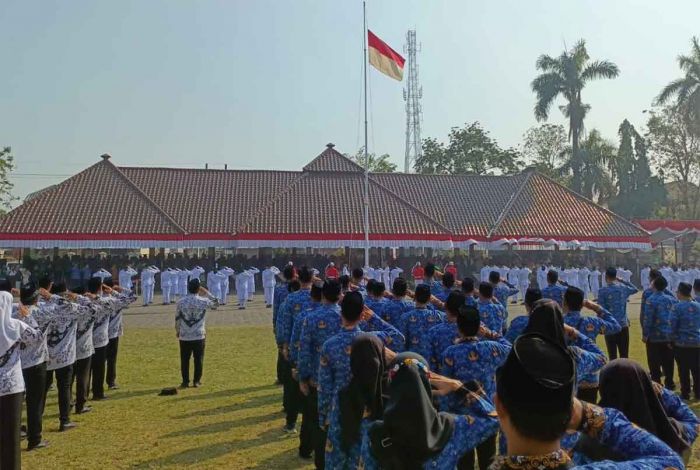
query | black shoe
(67,426)
(270,306)
(100,398)
(40,445)
(685,397)
(184,385)
(85,409)
(113,387)
(196,384)
(305,456)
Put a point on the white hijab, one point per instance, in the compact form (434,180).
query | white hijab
(10,329)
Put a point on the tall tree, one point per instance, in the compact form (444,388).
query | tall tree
(566,76)
(686,89)
(471,150)
(623,166)
(380,164)
(674,150)
(7,165)
(544,147)
(595,156)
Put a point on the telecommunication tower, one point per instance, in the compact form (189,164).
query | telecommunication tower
(412,95)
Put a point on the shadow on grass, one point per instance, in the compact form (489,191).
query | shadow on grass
(251,403)
(282,460)
(229,393)
(228,425)
(201,454)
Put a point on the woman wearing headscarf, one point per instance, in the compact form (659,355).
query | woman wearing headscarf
(12,334)
(626,386)
(546,319)
(412,434)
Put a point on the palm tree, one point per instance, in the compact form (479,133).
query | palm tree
(595,157)
(566,75)
(686,89)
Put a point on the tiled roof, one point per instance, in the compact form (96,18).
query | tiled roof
(543,208)
(325,198)
(99,199)
(332,203)
(331,160)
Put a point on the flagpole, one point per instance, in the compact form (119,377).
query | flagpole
(366,191)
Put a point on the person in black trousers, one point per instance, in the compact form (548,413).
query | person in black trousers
(686,338)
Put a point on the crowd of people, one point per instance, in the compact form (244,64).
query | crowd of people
(441,377)
(386,373)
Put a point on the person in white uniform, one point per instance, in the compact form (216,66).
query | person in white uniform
(214,284)
(251,282)
(269,281)
(242,281)
(523,281)
(166,283)
(594,279)
(542,277)
(102,274)
(147,281)
(584,282)
(395,274)
(125,276)
(644,277)
(386,276)
(226,283)
(514,279)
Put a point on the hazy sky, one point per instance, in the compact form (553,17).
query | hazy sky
(266,84)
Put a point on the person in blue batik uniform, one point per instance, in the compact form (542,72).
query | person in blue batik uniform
(502,290)
(475,360)
(686,340)
(653,274)
(318,327)
(334,375)
(553,291)
(399,304)
(375,299)
(535,406)
(471,295)
(412,433)
(613,298)
(444,335)
(627,387)
(430,281)
(492,313)
(657,333)
(603,323)
(696,290)
(519,323)
(357,282)
(448,284)
(414,325)
(278,297)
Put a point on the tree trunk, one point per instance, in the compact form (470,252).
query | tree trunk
(575,161)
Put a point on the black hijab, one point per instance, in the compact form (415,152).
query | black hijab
(364,392)
(625,385)
(412,430)
(547,320)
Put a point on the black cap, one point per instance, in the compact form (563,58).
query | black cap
(28,294)
(539,376)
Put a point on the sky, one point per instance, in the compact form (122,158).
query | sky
(265,84)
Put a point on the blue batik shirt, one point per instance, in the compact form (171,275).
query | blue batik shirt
(613,297)
(294,341)
(516,327)
(278,297)
(686,324)
(394,308)
(435,286)
(441,337)
(319,325)
(471,301)
(591,327)
(641,449)
(677,409)
(297,302)
(470,430)
(376,305)
(645,297)
(554,292)
(502,292)
(492,315)
(588,356)
(474,359)
(658,318)
(414,326)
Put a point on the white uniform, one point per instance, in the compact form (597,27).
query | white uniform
(644,277)
(625,274)
(542,277)
(269,282)
(102,274)
(346,270)
(594,279)
(484,273)
(195,273)
(523,281)
(125,276)
(514,278)
(251,282)
(225,283)
(166,285)
(183,276)
(386,277)
(214,284)
(584,282)
(148,282)
(242,280)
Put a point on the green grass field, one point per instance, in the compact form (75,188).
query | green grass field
(233,421)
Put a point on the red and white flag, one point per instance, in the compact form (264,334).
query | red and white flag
(384,58)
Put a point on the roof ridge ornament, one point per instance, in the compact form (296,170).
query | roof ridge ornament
(105,156)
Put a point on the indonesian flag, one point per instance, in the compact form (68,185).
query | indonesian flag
(384,58)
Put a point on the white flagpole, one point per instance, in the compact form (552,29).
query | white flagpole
(366,192)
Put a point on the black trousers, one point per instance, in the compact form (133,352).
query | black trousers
(35,398)
(660,360)
(688,360)
(291,401)
(82,382)
(318,435)
(589,394)
(280,367)
(97,368)
(619,342)
(196,349)
(112,349)
(64,376)
(10,422)
(486,451)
